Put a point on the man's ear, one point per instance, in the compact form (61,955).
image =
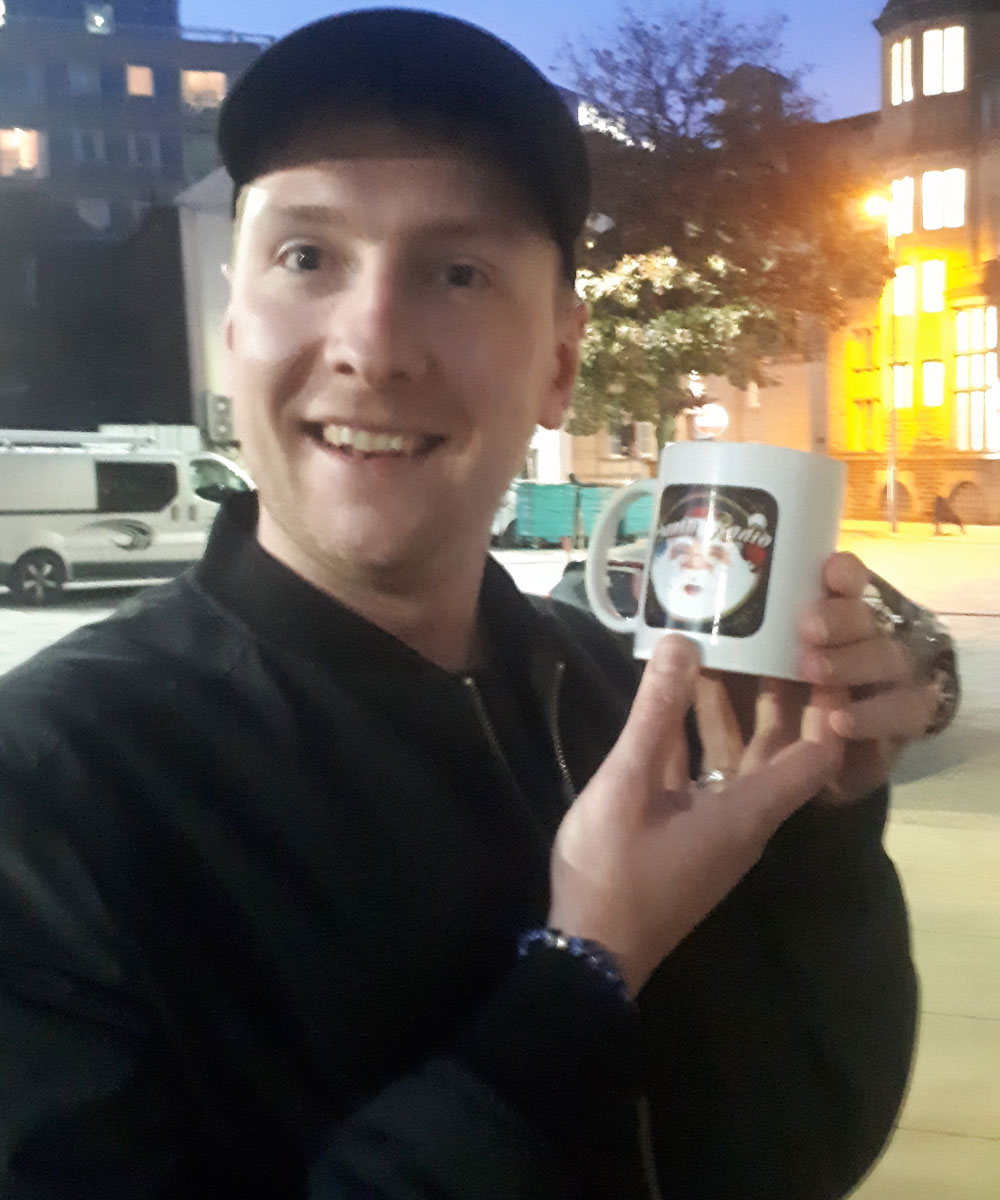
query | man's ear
(227,350)
(571,324)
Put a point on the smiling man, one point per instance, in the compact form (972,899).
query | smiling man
(339,869)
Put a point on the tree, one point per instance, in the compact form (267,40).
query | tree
(711,166)
(652,323)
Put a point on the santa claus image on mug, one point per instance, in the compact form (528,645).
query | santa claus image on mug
(711,559)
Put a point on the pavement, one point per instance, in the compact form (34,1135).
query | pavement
(944,835)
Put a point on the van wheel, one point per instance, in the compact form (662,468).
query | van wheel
(38,577)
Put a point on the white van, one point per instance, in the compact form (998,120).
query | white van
(88,508)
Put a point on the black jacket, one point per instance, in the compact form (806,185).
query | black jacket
(262,872)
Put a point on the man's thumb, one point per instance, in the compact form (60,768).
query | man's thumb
(654,731)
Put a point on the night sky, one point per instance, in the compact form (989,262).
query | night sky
(835,39)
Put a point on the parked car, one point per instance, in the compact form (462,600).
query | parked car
(925,635)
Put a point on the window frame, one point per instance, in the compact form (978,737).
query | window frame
(901,72)
(904,290)
(943,196)
(130,70)
(149,137)
(902,385)
(100,144)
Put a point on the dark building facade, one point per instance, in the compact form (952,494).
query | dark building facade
(107,112)
(110,107)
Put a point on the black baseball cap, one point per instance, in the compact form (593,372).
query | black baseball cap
(406,64)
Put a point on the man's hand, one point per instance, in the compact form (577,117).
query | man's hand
(644,855)
(885,708)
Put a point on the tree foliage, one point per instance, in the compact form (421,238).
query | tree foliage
(734,210)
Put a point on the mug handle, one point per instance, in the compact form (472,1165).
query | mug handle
(601,540)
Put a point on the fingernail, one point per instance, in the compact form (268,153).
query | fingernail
(842,723)
(679,653)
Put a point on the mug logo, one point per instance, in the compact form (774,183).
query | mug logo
(711,559)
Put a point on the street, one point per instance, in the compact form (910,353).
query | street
(944,836)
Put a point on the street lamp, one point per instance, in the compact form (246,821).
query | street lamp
(879,207)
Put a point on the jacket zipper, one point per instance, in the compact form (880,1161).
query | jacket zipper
(555,733)
(552,713)
(643,1111)
(483,717)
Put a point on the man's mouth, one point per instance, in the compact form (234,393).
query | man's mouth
(352,441)
(692,589)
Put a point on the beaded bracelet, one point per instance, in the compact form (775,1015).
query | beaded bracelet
(595,956)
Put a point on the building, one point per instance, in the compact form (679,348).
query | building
(907,392)
(914,396)
(107,112)
(110,107)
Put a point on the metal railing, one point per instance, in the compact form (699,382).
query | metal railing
(182,32)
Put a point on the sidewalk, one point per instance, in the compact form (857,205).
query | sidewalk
(944,836)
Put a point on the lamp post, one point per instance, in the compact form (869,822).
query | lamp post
(879,206)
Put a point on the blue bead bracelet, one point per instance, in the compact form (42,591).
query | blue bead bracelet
(595,956)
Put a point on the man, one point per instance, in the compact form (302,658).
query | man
(944,514)
(285,845)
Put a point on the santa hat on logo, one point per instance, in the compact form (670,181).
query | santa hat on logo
(753,553)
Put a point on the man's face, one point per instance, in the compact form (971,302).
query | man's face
(696,579)
(396,331)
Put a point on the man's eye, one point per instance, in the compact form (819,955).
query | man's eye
(463,275)
(301,258)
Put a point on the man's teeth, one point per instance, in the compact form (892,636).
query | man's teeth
(364,441)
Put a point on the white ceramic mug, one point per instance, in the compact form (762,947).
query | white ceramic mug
(739,532)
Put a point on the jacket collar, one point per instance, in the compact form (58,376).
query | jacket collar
(285,609)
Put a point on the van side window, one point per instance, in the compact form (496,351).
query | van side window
(211,479)
(135,486)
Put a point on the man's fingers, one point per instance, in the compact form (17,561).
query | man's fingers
(878,660)
(838,621)
(780,704)
(899,713)
(718,724)
(654,731)
(845,575)
(761,801)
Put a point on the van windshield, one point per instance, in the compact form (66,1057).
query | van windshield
(211,478)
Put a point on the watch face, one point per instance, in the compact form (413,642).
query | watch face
(710,560)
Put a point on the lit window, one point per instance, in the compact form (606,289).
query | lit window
(203,89)
(99,18)
(943,199)
(95,212)
(902,385)
(933,384)
(902,71)
(22,153)
(901,209)
(88,146)
(144,150)
(139,81)
(903,291)
(3,14)
(992,431)
(944,60)
(932,286)
(977,390)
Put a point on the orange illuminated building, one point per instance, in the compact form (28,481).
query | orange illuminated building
(913,378)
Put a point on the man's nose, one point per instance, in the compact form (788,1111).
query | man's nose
(374,331)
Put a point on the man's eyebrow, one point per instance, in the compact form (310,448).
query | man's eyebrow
(441,228)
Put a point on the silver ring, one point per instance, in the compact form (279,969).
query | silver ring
(714,780)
